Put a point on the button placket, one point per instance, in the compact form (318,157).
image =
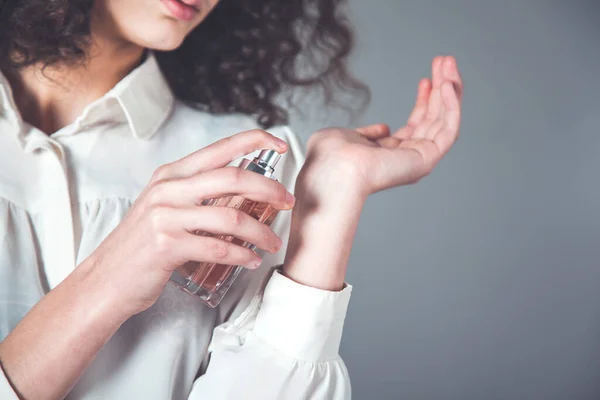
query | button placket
(59,259)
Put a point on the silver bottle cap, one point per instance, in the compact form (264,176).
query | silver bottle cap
(268,159)
(263,164)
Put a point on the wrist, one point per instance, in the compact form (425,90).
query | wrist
(105,299)
(331,186)
(324,223)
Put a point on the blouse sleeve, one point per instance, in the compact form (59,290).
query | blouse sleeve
(6,390)
(286,348)
(277,339)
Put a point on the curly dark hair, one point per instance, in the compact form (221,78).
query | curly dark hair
(240,59)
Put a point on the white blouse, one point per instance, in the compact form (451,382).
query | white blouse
(61,195)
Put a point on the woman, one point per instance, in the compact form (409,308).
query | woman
(98,98)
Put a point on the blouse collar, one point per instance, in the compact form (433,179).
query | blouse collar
(143,98)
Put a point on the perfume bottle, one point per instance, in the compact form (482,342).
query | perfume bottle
(210,281)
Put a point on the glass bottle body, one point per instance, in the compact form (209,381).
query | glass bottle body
(211,281)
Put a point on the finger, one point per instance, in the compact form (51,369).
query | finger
(436,72)
(214,250)
(418,113)
(451,110)
(374,132)
(434,128)
(451,73)
(220,154)
(225,221)
(435,100)
(406,132)
(389,142)
(446,137)
(424,128)
(218,183)
(420,109)
(428,155)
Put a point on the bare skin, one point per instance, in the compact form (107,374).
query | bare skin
(324,221)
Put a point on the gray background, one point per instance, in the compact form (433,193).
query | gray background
(483,281)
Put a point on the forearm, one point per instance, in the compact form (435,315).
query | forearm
(50,348)
(324,224)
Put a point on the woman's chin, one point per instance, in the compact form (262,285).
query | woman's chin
(165,42)
(165,46)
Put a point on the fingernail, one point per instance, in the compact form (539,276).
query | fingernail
(278,245)
(290,199)
(281,144)
(256,263)
(253,264)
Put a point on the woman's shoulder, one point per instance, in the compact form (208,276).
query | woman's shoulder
(188,121)
(188,129)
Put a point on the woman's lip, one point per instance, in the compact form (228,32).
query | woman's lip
(180,10)
(193,3)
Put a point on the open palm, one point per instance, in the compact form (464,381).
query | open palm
(381,159)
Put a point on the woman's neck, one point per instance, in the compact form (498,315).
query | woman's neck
(53,97)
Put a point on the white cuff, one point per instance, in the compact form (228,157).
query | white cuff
(301,321)
(6,390)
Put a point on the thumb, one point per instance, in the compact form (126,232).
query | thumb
(374,132)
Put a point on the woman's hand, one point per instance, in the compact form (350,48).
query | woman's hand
(128,271)
(344,166)
(373,159)
(137,258)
